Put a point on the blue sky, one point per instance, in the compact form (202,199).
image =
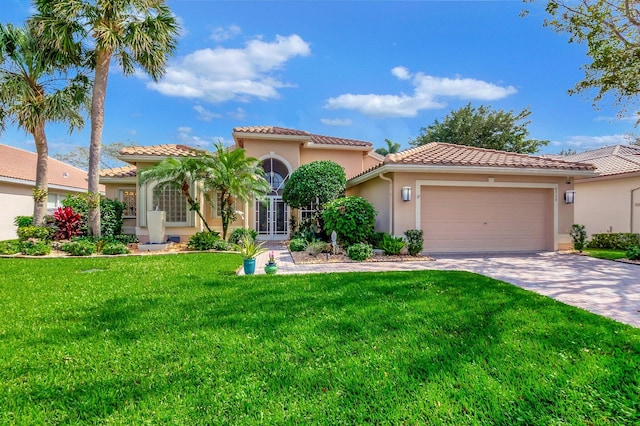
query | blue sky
(365,70)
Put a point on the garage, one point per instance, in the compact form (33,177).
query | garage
(458,219)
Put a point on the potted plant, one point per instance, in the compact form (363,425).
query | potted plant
(271,267)
(249,249)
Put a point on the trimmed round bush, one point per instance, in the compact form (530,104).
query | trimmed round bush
(115,248)
(353,219)
(238,234)
(415,241)
(9,247)
(203,240)
(360,251)
(79,248)
(34,247)
(36,232)
(298,244)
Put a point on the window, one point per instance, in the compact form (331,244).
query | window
(53,202)
(128,197)
(169,198)
(308,212)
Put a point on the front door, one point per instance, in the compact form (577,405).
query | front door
(271,219)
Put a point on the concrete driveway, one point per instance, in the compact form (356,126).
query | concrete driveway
(604,287)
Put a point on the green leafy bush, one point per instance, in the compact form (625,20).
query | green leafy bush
(633,253)
(22,221)
(110,213)
(221,245)
(375,239)
(203,240)
(360,251)
(35,247)
(297,244)
(314,248)
(614,241)
(415,241)
(37,232)
(238,234)
(392,245)
(353,219)
(578,235)
(9,247)
(79,248)
(314,183)
(115,248)
(123,238)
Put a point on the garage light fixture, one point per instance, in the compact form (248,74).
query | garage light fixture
(406,193)
(569,196)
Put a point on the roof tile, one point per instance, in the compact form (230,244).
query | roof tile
(315,139)
(120,172)
(611,160)
(167,150)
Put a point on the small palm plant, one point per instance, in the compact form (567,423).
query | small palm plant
(249,248)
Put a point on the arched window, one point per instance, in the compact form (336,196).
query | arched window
(276,173)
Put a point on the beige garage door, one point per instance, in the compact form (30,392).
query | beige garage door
(464,219)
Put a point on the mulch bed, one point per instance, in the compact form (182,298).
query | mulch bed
(301,258)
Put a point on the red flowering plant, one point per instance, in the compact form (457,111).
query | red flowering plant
(68,223)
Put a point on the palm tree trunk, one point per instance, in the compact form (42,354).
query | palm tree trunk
(99,94)
(193,205)
(42,169)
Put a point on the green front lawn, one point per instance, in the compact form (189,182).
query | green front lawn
(179,339)
(606,254)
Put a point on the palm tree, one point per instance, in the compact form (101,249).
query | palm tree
(136,32)
(35,89)
(392,148)
(236,177)
(184,172)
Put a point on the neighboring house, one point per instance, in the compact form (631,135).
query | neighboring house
(18,178)
(465,199)
(610,201)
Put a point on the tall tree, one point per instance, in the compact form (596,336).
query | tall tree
(235,177)
(36,89)
(611,31)
(184,172)
(139,33)
(483,128)
(392,148)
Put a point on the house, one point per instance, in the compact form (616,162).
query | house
(610,201)
(465,199)
(18,178)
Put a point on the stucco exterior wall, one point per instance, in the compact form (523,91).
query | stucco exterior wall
(605,204)
(351,161)
(289,150)
(378,192)
(16,201)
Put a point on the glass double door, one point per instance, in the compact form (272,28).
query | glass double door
(272,218)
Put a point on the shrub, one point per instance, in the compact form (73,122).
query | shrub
(392,245)
(203,240)
(578,235)
(68,223)
(35,247)
(614,241)
(221,245)
(79,248)
(297,244)
(110,213)
(316,247)
(633,253)
(37,232)
(22,221)
(415,241)
(115,248)
(375,239)
(353,219)
(314,183)
(238,234)
(124,239)
(360,251)
(9,247)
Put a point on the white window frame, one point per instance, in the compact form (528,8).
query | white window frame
(133,189)
(147,205)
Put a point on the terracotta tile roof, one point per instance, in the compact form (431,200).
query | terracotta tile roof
(168,150)
(437,153)
(611,160)
(120,172)
(19,164)
(315,139)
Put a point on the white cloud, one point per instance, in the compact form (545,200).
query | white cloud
(426,95)
(220,75)
(185,137)
(237,114)
(204,114)
(225,33)
(336,121)
(587,143)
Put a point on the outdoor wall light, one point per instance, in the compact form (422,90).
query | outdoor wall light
(569,196)
(406,193)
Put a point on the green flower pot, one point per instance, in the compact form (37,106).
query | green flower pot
(270,268)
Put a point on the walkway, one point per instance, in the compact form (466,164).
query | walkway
(603,287)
